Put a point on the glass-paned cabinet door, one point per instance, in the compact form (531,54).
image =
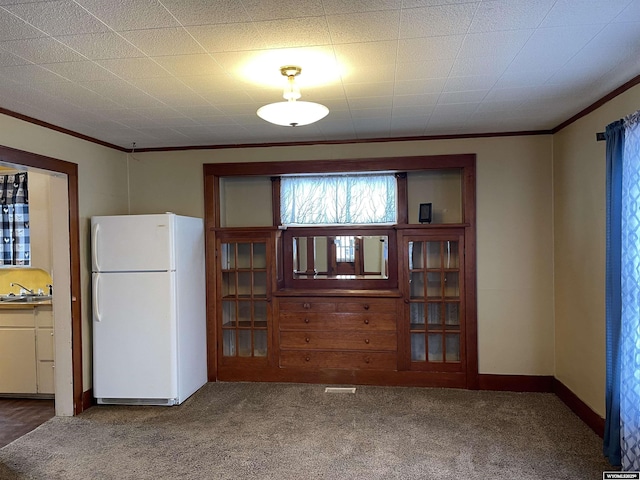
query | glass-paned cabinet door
(435,301)
(243,287)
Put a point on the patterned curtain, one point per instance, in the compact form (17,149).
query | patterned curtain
(14,201)
(338,199)
(630,285)
(622,425)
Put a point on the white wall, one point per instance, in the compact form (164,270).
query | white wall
(514,216)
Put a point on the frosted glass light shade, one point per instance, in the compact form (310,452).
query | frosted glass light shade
(293,113)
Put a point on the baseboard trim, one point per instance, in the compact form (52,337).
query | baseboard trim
(577,406)
(87,399)
(516,383)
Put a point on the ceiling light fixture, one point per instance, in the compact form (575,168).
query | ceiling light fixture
(292,113)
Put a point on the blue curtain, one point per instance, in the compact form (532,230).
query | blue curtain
(614,135)
(622,424)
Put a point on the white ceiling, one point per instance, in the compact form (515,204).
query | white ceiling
(167,73)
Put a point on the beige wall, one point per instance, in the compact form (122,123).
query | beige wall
(515,242)
(102,189)
(580,202)
(40,220)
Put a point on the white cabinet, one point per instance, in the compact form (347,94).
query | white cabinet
(26,350)
(44,349)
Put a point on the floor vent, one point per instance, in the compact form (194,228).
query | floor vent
(340,390)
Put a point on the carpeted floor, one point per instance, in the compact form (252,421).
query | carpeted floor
(289,431)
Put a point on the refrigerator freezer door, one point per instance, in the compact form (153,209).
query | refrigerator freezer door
(134,336)
(133,243)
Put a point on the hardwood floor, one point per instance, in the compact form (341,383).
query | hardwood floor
(20,416)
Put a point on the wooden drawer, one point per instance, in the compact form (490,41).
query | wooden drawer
(335,304)
(328,340)
(338,360)
(337,321)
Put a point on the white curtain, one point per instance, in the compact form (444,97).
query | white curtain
(630,285)
(338,199)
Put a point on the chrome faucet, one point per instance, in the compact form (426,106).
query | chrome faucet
(13,284)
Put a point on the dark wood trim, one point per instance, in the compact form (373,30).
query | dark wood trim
(56,128)
(76,305)
(28,159)
(348,142)
(87,399)
(398,164)
(275,201)
(595,105)
(470,269)
(342,377)
(211,219)
(516,383)
(403,198)
(577,406)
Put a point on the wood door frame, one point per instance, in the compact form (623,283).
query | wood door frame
(34,160)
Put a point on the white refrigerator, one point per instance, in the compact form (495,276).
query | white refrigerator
(149,322)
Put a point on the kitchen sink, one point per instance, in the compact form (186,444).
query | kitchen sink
(24,298)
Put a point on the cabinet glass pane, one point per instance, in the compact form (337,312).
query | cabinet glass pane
(259,343)
(260,255)
(244,314)
(244,343)
(416,255)
(433,255)
(453,347)
(417,285)
(417,316)
(418,352)
(451,257)
(435,347)
(452,314)
(229,343)
(259,284)
(227,256)
(228,314)
(244,255)
(434,284)
(260,314)
(434,316)
(228,284)
(452,285)
(244,283)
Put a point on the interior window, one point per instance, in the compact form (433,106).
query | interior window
(351,199)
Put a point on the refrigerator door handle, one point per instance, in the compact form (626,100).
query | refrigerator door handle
(96,264)
(96,306)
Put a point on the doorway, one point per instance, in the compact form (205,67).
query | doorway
(66,275)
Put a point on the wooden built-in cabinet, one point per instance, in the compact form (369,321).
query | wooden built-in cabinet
(337,332)
(280,310)
(434,293)
(245,281)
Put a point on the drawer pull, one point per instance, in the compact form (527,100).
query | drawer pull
(367,360)
(366,321)
(307,358)
(306,320)
(307,339)
(366,340)
(306,306)
(366,306)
